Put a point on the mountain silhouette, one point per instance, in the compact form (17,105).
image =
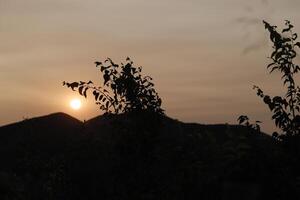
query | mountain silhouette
(46,131)
(135,156)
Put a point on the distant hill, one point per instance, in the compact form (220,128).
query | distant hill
(57,126)
(137,156)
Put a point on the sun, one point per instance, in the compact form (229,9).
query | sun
(75,104)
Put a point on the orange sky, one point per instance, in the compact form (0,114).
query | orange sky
(204,55)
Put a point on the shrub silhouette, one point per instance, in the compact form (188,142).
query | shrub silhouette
(244,120)
(285,108)
(124,89)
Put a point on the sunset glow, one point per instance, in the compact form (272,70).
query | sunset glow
(75,104)
(204,56)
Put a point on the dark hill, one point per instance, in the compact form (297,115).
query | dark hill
(56,120)
(57,125)
(46,135)
(136,156)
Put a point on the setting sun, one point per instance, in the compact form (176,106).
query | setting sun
(75,104)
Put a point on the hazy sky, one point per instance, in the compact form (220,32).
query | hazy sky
(204,55)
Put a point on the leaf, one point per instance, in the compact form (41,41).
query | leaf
(242,119)
(267,99)
(106,78)
(271,106)
(297,44)
(96,94)
(295,36)
(98,63)
(288,29)
(286,39)
(269,65)
(267,25)
(80,90)
(84,93)
(72,85)
(274,68)
(277,99)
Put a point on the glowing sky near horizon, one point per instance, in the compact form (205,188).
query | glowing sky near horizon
(204,55)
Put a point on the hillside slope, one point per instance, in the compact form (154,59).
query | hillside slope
(138,156)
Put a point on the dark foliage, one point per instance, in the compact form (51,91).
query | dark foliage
(285,109)
(108,158)
(124,89)
(244,120)
(285,112)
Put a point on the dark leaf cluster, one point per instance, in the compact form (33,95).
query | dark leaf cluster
(244,120)
(124,89)
(285,109)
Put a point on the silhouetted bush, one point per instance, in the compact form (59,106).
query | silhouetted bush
(285,108)
(244,120)
(124,89)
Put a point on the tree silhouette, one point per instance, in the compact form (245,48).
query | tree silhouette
(285,108)
(124,89)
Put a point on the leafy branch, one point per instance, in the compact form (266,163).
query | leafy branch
(244,120)
(124,89)
(285,108)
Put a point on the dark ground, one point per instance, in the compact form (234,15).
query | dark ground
(142,156)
